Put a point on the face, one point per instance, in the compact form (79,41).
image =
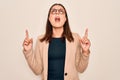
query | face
(57,16)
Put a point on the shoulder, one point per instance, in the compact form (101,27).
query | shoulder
(40,36)
(76,36)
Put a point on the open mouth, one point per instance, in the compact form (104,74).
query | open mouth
(57,19)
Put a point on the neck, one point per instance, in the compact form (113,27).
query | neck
(57,32)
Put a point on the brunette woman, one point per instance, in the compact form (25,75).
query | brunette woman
(59,54)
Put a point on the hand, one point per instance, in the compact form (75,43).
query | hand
(85,43)
(28,43)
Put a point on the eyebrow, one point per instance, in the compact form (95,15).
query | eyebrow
(57,9)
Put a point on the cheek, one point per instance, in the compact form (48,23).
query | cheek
(51,18)
(63,19)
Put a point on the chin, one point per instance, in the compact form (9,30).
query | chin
(58,26)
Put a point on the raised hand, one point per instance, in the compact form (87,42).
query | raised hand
(28,43)
(85,43)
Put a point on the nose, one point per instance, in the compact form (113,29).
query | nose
(57,12)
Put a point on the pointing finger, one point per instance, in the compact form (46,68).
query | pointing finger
(27,35)
(86,33)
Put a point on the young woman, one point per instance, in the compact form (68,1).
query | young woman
(59,54)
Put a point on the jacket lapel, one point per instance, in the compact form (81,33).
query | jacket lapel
(45,59)
(67,56)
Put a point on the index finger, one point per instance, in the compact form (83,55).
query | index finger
(27,35)
(86,33)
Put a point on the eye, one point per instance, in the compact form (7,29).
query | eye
(61,11)
(53,11)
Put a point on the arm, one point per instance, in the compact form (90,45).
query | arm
(81,60)
(82,53)
(33,57)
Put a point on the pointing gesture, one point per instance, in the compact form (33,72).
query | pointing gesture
(27,35)
(28,43)
(86,33)
(85,43)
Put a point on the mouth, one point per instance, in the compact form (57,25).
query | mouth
(57,19)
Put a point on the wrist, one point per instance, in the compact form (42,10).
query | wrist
(86,53)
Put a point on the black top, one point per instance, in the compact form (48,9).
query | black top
(56,59)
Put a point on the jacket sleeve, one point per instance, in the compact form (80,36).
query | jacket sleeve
(34,58)
(81,59)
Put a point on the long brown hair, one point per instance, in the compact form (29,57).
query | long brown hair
(66,33)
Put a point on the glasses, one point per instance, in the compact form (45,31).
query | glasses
(57,11)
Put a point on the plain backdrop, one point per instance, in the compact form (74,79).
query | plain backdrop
(101,17)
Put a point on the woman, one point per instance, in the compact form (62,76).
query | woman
(59,54)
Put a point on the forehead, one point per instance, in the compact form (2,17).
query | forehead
(57,7)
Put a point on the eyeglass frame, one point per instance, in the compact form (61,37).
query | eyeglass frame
(56,11)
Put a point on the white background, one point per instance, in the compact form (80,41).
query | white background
(101,17)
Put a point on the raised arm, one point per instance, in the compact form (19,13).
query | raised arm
(33,57)
(83,51)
